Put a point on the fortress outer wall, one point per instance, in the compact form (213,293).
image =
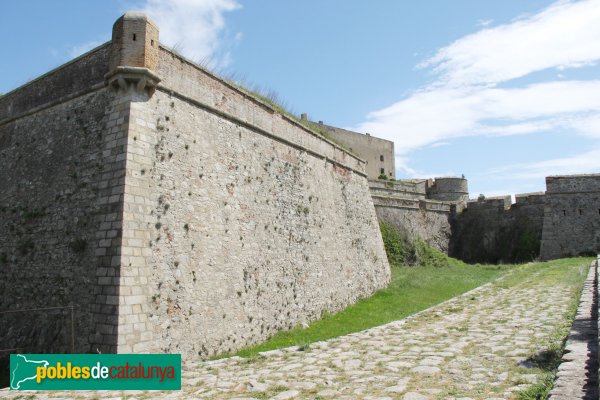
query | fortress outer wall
(175,211)
(572,210)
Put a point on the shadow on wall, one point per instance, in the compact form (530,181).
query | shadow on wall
(489,237)
(34,331)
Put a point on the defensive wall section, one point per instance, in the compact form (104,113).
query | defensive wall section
(63,170)
(494,230)
(571,216)
(451,189)
(415,207)
(174,211)
(484,230)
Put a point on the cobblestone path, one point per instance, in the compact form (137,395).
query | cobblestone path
(481,345)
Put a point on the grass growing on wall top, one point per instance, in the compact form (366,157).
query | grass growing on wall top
(272,98)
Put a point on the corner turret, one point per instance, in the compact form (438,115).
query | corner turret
(134,52)
(448,189)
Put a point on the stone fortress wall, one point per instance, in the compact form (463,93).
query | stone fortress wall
(448,189)
(63,159)
(571,216)
(564,221)
(561,222)
(173,210)
(493,229)
(415,206)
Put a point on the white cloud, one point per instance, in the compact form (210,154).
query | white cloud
(439,144)
(485,22)
(469,97)
(195,28)
(565,35)
(578,164)
(440,113)
(402,165)
(588,126)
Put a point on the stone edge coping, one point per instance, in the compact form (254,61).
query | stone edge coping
(573,374)
(246,93)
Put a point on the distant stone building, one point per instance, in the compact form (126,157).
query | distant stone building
(378,153)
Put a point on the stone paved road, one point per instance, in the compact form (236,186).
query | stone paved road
(474,346)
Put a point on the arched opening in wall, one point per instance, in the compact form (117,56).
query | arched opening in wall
(381,157)
(580,211)
(564,213)
(134,37)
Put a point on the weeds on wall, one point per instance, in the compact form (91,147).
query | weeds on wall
(274,100)
(401,249)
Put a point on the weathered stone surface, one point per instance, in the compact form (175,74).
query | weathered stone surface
(494,230)
(571,216)
(192,218)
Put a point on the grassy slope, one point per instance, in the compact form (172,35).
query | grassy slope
(412,289)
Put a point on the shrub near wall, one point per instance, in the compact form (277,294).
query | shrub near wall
(402,250)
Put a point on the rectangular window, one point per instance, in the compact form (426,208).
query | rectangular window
(382,171)
(381,157)
(580,211)
(564,212)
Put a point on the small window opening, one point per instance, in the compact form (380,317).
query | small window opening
(564,212)
(382,171)
(134,37)
(580,211)
(152,42)
(599,211)
(381,157)
(390,173)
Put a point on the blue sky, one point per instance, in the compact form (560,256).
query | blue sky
(505,93)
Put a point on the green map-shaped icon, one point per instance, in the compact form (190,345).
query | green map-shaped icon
(23,369)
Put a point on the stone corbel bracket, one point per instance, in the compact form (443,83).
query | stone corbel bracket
(142,79)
